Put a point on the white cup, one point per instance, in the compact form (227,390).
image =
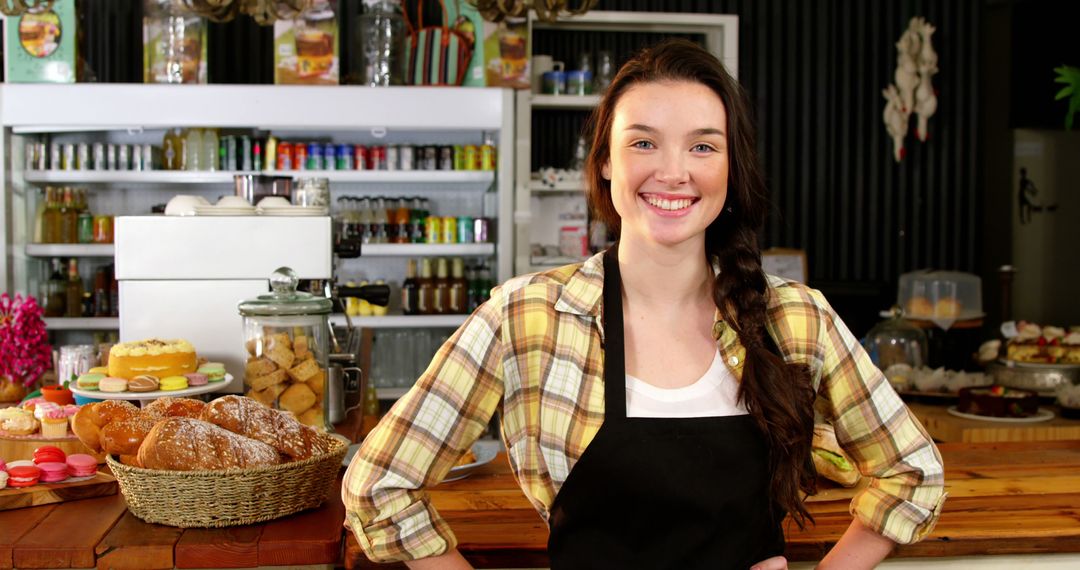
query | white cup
(540,65)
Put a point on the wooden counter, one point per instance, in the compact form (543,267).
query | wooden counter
(1004,498)
(943,426)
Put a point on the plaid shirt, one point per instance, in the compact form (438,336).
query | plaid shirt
(535,349)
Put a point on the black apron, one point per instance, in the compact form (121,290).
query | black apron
(663,492)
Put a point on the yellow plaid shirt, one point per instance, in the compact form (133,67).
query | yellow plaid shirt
(535,350)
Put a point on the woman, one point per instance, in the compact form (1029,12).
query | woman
(657,401)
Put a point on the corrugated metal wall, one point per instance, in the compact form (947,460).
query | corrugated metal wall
(815,70)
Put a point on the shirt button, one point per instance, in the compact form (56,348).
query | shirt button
(734,361)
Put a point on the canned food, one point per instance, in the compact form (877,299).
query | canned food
(229,142)
(344,157)
(55,157)
(69,157)
(147,157)
(103,232)
(314,157)
(299,158)
(329,156)
(136,157)
(84,157)
(430,160)
(110,157)
(122,161)
(464,229)
(392,157)
(99,156)
(480,230)
(487,157)
(40,157)
(361,157)
(446,158)
(85,228)
(432,229)
(244,158)
(378,158)
(459,157)
(284,156)
(449,230)
(407,158)
(472,157)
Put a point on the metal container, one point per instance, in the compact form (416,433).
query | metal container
(1042,378)
(254,187)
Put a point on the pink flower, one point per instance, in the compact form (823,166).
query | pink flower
(25,353)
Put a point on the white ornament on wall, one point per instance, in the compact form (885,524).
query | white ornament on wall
(912,91)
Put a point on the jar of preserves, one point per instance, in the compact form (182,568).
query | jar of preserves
(286,336)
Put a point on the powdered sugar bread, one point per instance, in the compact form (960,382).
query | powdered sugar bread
(169,407)
(187,444)
(275,428)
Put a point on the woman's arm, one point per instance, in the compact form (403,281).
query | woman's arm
(859,548)
(452,560)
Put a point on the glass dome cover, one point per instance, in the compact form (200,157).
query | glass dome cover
(896,341)
(284,299)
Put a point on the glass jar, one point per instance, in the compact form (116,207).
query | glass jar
(312,192)
(286,335)
(382,43)
(897,347)
(173,41)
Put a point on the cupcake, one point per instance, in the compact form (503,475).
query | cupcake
(17,421)
(54,423)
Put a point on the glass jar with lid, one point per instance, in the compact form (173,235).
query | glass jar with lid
(897,347)
(286,336)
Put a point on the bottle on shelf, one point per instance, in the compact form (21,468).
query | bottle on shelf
(380,222)
(69,218)
(426,297)
(417,215)
(441,286)
(52,216)
(101,292)
(364,306)
(193,149)
(74,297)
(459,289)
(365,219)
(404,229)
(380,310)
(475,294)
(410,290)
(208,155)
(172,149)
(55,292)
(39,216)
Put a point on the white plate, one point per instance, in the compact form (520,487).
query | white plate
(1040,416)
(99,395)
(485,451)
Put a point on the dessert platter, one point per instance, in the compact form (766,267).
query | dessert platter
(1000,404)
(51,476)
(1037,358)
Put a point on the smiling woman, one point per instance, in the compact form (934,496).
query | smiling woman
(657,401)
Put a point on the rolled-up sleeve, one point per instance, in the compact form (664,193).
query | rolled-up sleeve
(419,440)
(907,481)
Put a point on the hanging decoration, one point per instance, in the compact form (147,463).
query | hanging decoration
(912,90)
(20,7)
(546,10)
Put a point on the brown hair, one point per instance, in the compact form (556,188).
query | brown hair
(779,396)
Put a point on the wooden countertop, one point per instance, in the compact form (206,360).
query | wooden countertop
(1004,498)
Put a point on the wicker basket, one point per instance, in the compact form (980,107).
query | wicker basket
(232,497)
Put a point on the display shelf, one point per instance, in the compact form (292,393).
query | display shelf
(401,321)
(390,393)
(82,323)
(562,187)
(70,250)
(484,177)
(426,249)
(565,101)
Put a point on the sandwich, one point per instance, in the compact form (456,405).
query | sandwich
(829,458)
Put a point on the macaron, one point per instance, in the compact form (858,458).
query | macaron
(82,465)
(3,466)
(144,383)
(99,370)
(3,479)
(89,382)
(112,384)
(196,379)
(53,472)
(23,476)
(215,371)
(20,463)
(170,383)
(49,454)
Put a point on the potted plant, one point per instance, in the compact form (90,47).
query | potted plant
(25,353)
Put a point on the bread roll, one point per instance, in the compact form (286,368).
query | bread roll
(169,407)
(124,437)
(187,444)
(272,427)
(90,418)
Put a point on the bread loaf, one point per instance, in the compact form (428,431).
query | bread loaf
(187,444)
(272,427)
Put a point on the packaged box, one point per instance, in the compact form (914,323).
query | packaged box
(466,20)
(41,45)
(306,49)
(506,53)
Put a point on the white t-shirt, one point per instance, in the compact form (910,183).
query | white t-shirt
(714,394)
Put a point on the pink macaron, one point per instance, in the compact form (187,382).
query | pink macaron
(196,379)
(82,465)
(53,472)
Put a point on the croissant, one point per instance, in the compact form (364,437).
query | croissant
(186,444)
(277,429)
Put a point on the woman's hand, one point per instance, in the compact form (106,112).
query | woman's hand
(774,563)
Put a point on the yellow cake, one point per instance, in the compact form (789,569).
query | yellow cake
(153,356)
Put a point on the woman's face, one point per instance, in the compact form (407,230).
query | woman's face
(669,163)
